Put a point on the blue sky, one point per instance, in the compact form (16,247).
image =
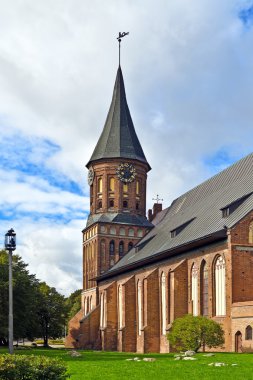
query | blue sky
(187,68)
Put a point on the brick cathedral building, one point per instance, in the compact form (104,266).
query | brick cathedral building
(139,273)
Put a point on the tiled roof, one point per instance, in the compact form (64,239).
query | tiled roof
(118,138)
(202,206)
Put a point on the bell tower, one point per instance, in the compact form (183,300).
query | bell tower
(117,175)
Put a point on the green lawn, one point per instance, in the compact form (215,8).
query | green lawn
(110,365)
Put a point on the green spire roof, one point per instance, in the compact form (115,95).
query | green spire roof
(118,138)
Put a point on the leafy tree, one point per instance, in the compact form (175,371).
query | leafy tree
(192,333)
(73,303)
(25,292)
(52,312)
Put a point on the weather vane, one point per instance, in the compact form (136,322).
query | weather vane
(157,199)
(121,35)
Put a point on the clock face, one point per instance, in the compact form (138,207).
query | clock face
(126,172)
(91,175)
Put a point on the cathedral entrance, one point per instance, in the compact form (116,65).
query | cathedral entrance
(238,341)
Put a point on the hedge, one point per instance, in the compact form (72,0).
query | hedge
(19,367)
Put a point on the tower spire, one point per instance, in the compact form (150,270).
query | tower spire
(121,35)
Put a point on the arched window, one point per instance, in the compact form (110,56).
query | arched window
(111,203)
(120,306)
(121,249)
(248,333)
(204,288)
(100,185)
(137,187)
(113,231)
(125,187)
(251,233)
(139,233)
(137,205)
(102,255)
(220,286)
(125,204)
(194,278)
(163,302)
(99,204)
(112,252)
(139,308)
(130,246)
(111,184)
(131,232)
(122,231)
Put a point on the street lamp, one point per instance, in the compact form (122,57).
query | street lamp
(10,245)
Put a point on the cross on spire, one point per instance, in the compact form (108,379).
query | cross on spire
(157,199)
(121,35)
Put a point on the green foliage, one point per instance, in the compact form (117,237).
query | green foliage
(31,368)
(192,333)
(51,312)
(38,310)
(73,304)
(25,293)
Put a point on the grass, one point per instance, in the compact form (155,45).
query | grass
(110,365)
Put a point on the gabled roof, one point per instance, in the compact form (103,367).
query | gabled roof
(118,138)
(203,207)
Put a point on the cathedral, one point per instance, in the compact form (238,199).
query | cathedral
(143,270)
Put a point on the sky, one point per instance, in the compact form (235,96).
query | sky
(187,67)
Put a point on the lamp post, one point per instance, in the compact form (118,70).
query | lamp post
(10,245)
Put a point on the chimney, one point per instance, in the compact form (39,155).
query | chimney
(156,209)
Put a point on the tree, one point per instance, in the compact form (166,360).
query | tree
(25,292)
(192,333)
(52,312)
(73,303)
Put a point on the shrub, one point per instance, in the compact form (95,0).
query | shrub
(192,333)
(13,367)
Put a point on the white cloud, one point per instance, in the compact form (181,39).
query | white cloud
(188,74)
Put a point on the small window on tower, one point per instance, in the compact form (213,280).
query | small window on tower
(137,187)
(125,204)
(137,205)
(99,204)
(111,184)
(125,188)
(100,185)
(111,203)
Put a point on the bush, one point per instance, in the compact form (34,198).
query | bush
(192,333)
(18,367)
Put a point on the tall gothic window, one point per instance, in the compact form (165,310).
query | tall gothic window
(163,301)
(103,310)
(130,245)
(121,249)
(139,308)
(248,333)
(220,286)
(204,288)
(112,252)
(251,233)
(120,306)
(194,277)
